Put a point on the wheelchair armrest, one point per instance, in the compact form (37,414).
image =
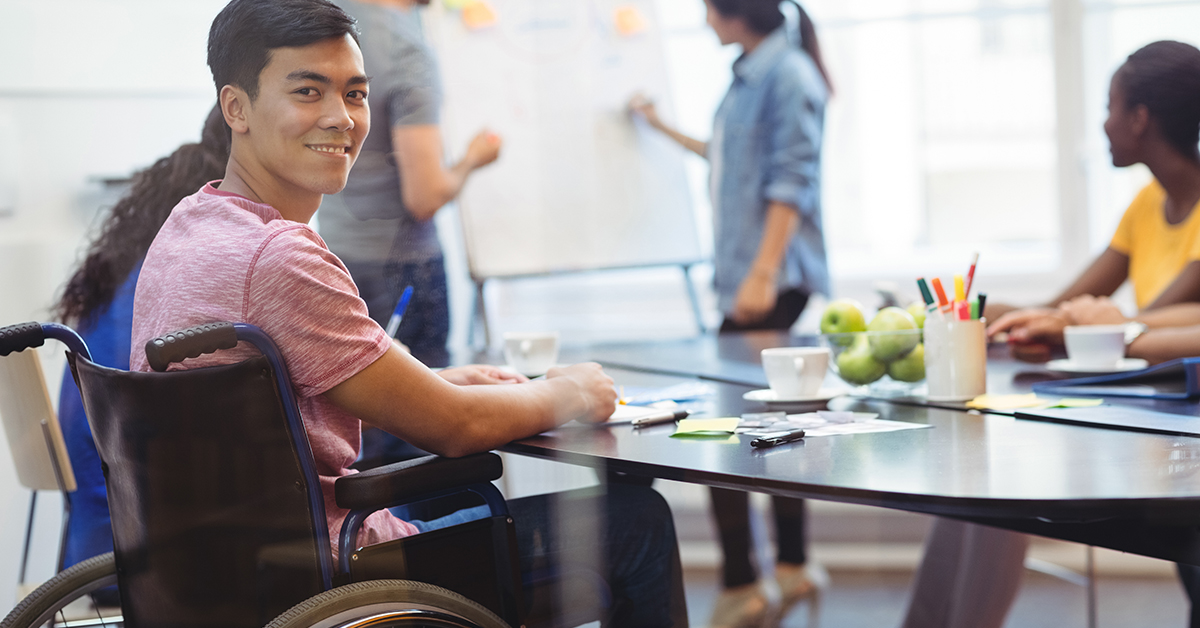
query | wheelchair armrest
(400,482)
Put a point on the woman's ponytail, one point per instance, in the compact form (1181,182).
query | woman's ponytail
(808,42)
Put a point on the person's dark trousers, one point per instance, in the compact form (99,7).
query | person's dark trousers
(624,534)
(426,325)
(731,509)
(1189,575)
(789,304)
(424,330)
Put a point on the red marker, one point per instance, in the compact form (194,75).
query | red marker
(971,273)
(964,311)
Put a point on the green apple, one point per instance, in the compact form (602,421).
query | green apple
(857,366)
(917,309)
(888,347)
(843,316)
(910,368)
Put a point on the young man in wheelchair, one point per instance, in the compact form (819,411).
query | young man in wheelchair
(293,90)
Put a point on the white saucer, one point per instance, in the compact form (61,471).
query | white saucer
(768,396)
(1123,366)
(510,369)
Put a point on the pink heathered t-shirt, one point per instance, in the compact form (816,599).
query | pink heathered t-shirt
(222,257)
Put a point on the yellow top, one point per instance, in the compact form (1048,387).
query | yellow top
(1157,251)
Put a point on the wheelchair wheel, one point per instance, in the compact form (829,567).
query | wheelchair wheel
(71,585)
(379,603)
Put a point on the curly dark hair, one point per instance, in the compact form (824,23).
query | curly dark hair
(130,227)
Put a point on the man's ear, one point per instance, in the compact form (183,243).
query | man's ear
(234,105)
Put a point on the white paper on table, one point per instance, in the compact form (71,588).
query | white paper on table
(827,424)
(627,414)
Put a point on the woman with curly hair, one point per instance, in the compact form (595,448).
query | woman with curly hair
(98,301)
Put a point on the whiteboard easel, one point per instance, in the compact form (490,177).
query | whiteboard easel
(579,185)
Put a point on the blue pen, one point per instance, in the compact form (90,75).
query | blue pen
(398,314)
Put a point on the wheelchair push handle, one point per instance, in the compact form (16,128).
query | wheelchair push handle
(19,337)
(193,342)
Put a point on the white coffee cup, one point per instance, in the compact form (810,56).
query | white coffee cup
(531,353)
(795,372)
(1095,346)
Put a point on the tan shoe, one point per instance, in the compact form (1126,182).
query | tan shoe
(799,583)
(741,607)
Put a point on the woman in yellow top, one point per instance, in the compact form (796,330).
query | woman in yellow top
(1153,119)
(970,574)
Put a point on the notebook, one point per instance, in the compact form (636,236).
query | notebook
(1177,379)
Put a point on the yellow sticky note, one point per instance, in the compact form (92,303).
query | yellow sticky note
(1005,402)
(477,14)
(706,427)
(629,21)
(454,5)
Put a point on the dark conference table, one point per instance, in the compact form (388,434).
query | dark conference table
(1129,491)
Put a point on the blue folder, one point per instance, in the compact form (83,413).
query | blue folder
(1176,379)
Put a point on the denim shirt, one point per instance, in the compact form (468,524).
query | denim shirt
(766,146)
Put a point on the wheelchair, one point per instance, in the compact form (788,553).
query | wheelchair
(219,519)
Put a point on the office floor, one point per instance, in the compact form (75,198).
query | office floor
(879,599)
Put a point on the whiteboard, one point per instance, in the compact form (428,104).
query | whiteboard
(579,185)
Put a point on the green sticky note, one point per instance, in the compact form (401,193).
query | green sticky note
(1077,403)
(703,428)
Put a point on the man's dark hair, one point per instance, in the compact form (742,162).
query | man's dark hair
(245,31)
(1165,77)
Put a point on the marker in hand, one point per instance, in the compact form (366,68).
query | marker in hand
(398,314)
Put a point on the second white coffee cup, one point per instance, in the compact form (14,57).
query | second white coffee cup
(531,353)
(1095,346)
(795,372)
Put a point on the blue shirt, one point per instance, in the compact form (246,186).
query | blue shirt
(766,146)
(107,334)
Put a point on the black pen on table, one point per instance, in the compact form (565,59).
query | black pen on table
(667,416)
(771,441)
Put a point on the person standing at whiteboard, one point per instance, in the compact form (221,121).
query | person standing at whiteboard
(381,225)
(765,154)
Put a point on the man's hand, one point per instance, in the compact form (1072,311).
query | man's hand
(755,298)
(1090,310)
(483,149)
(474,374)
(597,395)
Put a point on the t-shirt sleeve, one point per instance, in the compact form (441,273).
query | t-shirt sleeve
(414,93)
(301,295)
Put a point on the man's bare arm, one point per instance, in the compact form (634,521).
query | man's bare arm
(425,183)
(398,394)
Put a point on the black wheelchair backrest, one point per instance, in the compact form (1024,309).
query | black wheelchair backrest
(211,501)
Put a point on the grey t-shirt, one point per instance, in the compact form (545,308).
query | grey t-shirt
(367,221)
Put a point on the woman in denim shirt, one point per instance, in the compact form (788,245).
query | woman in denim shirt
(765,154)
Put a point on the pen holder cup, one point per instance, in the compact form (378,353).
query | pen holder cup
(955,358)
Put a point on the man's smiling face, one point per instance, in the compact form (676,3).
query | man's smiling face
(307,124)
